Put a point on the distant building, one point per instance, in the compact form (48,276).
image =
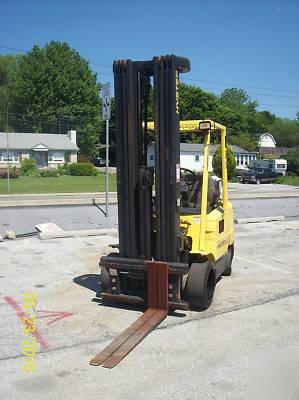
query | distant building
(191,156)
(48,150)
(275,152)
(267,140)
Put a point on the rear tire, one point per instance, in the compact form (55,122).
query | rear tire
(231,251)
(200,285)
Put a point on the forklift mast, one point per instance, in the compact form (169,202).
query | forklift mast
(148,230)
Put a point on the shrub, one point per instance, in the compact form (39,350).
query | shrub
(28,167)
(49,173)
(63,169)
(82,169)
(230,160)
(13,173)
(293,161)
(83,159)
(280,179)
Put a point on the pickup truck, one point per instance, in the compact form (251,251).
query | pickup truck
(258,175)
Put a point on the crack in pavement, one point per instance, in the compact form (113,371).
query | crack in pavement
(274,298)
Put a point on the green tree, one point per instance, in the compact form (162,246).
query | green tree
(293,161)
(56,90)
(235,98)
(244,122)
(8,72)
(285,132)
(230,160)
(246,141)
(196,104)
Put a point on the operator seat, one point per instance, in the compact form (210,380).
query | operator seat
(195,193)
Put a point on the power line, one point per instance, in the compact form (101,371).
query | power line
(59,121)
(219,90)
(240,85)
(100,65)
(13,48)
(251,93)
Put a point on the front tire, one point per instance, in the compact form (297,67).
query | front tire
(200,285)
(105,279)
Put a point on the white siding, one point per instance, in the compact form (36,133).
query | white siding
(73,157)
(192,161)
(243,160)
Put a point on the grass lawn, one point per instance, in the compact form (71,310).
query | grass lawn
(289,180)
(61,184)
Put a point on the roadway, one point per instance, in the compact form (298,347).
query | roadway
(237,191)
(24,219)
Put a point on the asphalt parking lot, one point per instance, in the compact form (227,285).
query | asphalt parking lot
(244,347)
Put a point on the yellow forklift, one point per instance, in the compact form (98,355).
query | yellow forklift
(176,236)
(206,219)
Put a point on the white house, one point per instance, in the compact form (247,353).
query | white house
(49,150)
(191,156)
(267,140)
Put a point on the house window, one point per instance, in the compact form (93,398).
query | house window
(246,160)
(56,156)
(242,160)
(238,160)
(197,158)
(151,157)
(13,156)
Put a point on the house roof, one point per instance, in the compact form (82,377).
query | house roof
(199,148)
(267,135)
(195,147)
(28,141)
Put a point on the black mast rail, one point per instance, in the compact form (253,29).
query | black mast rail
(148,231)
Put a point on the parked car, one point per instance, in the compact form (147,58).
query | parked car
(259,175)
(278,165)
(99,161)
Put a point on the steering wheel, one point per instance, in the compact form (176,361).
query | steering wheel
(188,176)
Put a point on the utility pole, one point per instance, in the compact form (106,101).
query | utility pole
(107,166)
(7,151)
(106,117)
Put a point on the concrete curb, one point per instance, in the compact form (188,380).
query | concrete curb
(114,231)
(262,196)
(54,202)
(78,233)
(100,200)
(259,219)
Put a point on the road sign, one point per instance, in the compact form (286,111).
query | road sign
(106,101)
